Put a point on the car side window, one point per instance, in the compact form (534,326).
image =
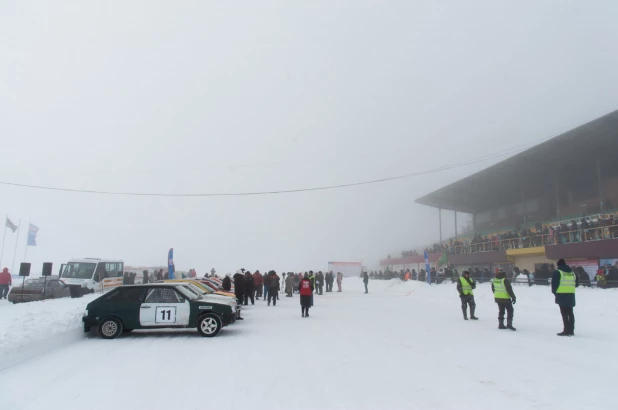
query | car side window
(162,295)
(135,295)
(53,284)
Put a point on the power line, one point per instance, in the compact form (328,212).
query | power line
(287,191)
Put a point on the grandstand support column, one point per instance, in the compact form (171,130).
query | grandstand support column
(455,225)
(557,200)
(440,220)
(602,205)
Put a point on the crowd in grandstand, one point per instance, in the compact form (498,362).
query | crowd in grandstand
(585,229)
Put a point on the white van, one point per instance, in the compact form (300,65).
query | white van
(90,275)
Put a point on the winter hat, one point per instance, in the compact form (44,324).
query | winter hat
(561,262)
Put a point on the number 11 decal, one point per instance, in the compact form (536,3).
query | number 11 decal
(165,314)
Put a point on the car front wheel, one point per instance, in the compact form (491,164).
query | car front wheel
(110,328)
(209,325)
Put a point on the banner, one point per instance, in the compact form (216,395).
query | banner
(32,231)
(590,266)
(9,224)
(347,269)
(427,267)
(170,264)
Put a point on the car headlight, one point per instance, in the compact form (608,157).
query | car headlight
(233,309)
(86,312)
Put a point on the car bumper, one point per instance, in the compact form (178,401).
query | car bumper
(89,322)
(228,318)
(24,298)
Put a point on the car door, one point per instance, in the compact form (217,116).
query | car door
(164,307)
(51,290)
(124,303)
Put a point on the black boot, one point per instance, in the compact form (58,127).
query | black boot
(465,313)
(509,325)
(501,325)
(472,313)
(563,333)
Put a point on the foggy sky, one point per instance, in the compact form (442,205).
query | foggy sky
(237,96)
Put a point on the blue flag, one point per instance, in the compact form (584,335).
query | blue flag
(32,231)
(427,267)
(170,264)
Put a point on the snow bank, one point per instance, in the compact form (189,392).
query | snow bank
(29,329)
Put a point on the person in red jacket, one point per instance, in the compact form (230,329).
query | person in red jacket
(5,282)
(258,283)
(306,292)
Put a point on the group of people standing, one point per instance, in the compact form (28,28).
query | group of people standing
(564,281)
(249,287)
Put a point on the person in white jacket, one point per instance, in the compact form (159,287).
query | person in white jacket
(339,279)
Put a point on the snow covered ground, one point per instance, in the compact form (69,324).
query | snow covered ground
(403,346)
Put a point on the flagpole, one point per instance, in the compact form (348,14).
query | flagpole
(16,243)
(26,251)
(3,238)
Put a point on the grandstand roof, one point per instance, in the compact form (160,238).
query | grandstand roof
(530,173)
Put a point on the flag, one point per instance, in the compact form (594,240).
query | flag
(170,264)
(9,224)
(32,231)
(443,259)
(427,267)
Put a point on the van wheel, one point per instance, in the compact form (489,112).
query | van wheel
(110,328)
(209,325)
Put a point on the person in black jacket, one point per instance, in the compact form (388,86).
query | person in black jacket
(266,285)
(227,283)
(249,288)
(239,287)
(273,287)
(319,280)
(366,281)
(566,297)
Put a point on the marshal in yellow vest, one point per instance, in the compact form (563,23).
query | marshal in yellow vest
(466,289)
(500,289)
(567,282)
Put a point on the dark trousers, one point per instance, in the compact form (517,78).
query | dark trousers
(273,296)
(249,296)
(258,291)
(320,289)
(4,291)
(240,298)
(568,318)
(366,289)
(468,300)
(305,310)
(508,307)
(265,292)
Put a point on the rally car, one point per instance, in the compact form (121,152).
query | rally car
(156,306)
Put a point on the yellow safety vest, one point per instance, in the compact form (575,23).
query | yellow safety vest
(466,289)
(500,289)
(567,282)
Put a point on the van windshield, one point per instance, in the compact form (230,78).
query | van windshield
(78,270)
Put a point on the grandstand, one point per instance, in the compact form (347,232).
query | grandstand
(555,200)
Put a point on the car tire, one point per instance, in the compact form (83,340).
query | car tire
(209,325)
(110,328)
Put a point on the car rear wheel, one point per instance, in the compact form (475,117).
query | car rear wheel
(209,325)
(110,328)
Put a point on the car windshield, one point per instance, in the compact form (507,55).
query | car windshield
(188,293)
(78,270)
(39,282)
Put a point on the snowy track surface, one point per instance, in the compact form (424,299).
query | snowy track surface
(403,346)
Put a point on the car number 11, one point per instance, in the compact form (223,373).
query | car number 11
(165,314)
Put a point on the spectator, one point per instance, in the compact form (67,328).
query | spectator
(5,283)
